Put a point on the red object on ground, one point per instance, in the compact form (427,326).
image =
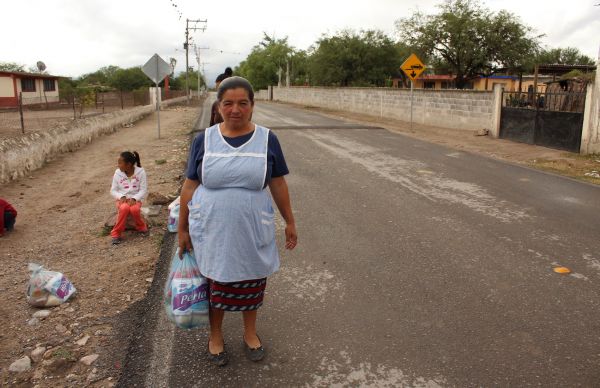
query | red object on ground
(5,207)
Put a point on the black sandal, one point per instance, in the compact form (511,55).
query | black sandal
(254,354)
(219,359)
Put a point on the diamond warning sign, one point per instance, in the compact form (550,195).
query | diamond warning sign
(413,67)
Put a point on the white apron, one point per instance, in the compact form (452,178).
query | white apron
(231,216)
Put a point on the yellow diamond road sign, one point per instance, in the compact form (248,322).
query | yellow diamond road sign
(413,67)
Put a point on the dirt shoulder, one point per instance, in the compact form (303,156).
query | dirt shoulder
(62,209)
(555,161)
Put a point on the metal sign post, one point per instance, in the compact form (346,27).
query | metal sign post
(412,67)
(157,69)
(412,87)
(157,109)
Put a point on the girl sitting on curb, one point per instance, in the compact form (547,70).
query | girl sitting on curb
(129,188)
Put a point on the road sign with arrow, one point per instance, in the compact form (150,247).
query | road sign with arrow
(413,67)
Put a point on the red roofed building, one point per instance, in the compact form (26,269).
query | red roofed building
(35,88)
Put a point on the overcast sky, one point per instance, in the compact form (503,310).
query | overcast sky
(74,37)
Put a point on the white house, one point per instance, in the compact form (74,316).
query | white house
(35,88)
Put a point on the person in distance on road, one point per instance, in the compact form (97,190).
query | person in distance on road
(129,188)
(227,217)
(215,116)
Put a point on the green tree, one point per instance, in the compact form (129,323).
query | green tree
(266,62)
(103,76)
(11,66)
(178,82)
(472,40)
(563,56)
(67,89)
(354,59)
(298,68)
(129,79)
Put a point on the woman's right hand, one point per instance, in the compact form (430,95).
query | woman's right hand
(185,243)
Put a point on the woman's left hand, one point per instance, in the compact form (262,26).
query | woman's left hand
(291,237)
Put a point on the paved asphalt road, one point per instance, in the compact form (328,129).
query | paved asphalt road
(417,266)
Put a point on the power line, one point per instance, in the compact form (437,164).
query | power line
(186,47)
(226,52)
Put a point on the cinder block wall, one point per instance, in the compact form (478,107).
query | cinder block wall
(19,156)
(261,95)
(459,109)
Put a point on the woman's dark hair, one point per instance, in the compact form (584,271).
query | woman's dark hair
(228,72)
(131,157)
(235,83)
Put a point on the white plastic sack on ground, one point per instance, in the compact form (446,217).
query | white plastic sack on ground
(173,219)
(175,202)
(48,288)
(186,293)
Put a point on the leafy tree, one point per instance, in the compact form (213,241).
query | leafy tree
(472,40)
(564,56)
(178,82)
(67,89)
(129,79)
(103,76)
(11,66)
(266,62)
(298,68)
(354,59)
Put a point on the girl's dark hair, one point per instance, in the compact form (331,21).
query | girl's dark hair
(235,83)
(131,157)
(228,72)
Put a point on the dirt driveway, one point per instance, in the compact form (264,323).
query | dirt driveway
(62,209)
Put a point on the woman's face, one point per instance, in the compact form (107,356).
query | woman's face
(236,107)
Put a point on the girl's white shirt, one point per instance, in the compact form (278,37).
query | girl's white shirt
(135,187)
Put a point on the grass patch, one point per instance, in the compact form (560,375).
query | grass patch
(105,231)
(577,166)
(160,161)
(64,354)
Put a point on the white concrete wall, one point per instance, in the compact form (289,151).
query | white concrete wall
(261,95)
(590,135)
(19,156)
(6,87)
(459,109)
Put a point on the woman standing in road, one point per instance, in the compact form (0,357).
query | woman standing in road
(226,214)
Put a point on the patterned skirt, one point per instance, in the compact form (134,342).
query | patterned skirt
(246,295)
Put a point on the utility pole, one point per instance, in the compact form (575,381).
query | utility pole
(287,73)
(186,47)
(197,49)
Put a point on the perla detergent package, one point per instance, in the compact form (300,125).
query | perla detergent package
(48,288)
(186,293)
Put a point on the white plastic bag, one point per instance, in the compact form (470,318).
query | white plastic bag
(186,293)
(175,202)
(48,288)
(173,219)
